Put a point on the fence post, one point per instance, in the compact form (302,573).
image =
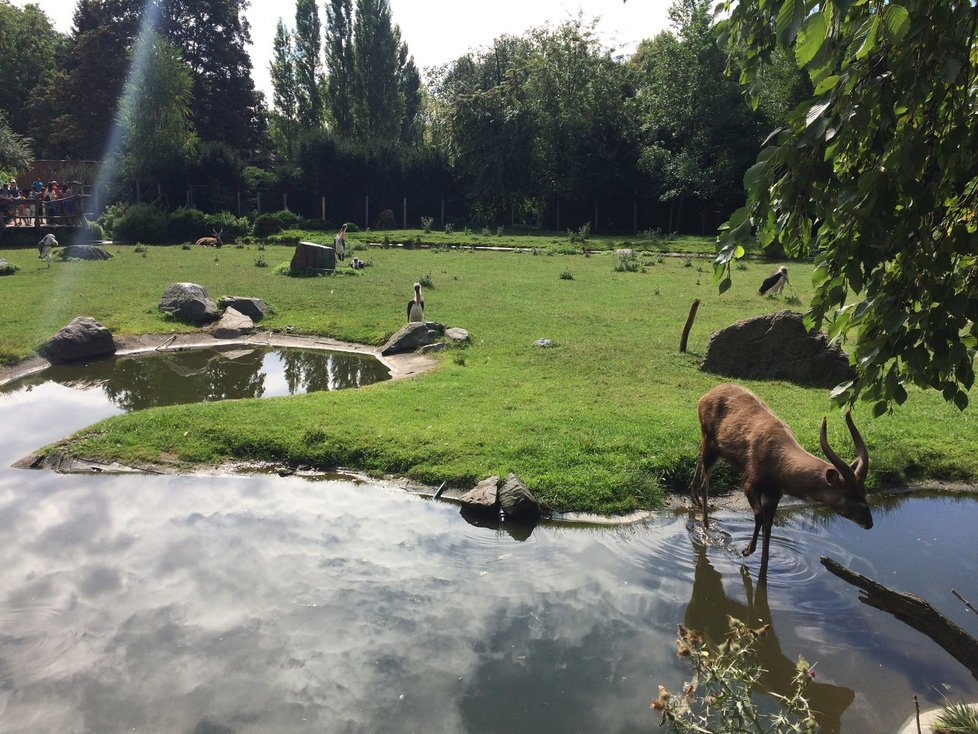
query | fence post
(285,201)
(404,213)
(239,203)
(443,212)
(366,211)
(322,209)
(259,202)
(635,214)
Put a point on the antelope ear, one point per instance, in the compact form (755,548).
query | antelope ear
(832,476)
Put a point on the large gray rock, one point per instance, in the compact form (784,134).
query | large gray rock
(83,338)
(85,252)
(233,324)
(254,308)
(776,347)
(188,302)
(412,336)
(482,498)
(517,501)
(310,256)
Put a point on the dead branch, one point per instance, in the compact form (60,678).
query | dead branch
(915,612)
(964,601)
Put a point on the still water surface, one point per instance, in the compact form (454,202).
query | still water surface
(211,605)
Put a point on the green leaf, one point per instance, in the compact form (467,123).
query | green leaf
(810,38)
(896,22)
(961,400)
(789,20)
(725,284)
(879,409)
(870,41)
(739,252)
(827,84)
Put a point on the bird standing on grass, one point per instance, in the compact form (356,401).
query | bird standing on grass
(44,248)
(415,307)
(775,282)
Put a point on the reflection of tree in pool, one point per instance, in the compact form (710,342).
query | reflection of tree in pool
(311,371)
(185,377)
(707,613)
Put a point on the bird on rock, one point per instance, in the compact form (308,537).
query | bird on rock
(415,307)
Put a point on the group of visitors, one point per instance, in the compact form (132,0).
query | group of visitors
(21,204)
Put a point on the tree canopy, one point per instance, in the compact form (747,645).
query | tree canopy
(875,177)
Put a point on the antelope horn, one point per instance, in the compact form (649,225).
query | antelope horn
(844,469)
(860,465)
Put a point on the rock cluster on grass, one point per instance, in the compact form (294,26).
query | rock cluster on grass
(457,335)
(83,338)
(511,500)
(189,303)
(776,347)
(545,343)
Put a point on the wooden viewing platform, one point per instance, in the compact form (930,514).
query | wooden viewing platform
(36,213)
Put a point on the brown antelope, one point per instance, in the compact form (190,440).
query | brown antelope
(214,241)
(738,426)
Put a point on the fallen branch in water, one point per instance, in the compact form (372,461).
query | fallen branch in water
(964,601)
(915,612)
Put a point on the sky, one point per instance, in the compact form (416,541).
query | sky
(439,31)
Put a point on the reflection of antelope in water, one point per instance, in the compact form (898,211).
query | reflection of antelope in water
(709,607)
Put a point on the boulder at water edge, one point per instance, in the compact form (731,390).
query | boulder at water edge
(776,347)
(483,497)
(233,324)
(188,302)
(517,501)
(412,336)
(254,308)
(83,338)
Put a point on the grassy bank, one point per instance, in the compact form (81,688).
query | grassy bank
(602,422)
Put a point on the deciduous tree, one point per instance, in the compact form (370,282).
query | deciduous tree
(874,176)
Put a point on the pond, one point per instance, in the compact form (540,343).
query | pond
(156,378)
(280,604)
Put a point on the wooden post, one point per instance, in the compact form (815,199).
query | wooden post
(635,215)
(322,209)
(404,214)
(366,211)
(259,202)
(239,203)
(443,212)
(689,325)
(595,217)
(558,214)
(285,201)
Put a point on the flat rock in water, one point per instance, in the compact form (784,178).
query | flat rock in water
(254,308)
(482,497)
(776,347)
(188,302)
(83,338)
(517,501)
(412,336)
(233,324)
(457,335)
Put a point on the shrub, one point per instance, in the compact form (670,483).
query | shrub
(627,263)
(499,231)
(351,227)
(426,281)
(449,228)
(581,235)
(316,225)
(139,223)
(267,224)
(566,275)
(426,223)
(260,262)
(8,268)
(185,225)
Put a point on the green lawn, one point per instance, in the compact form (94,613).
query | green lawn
(601,423)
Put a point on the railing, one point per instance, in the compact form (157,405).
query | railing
(66,212)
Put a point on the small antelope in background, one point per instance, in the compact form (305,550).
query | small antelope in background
(737,426)
(214,241)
